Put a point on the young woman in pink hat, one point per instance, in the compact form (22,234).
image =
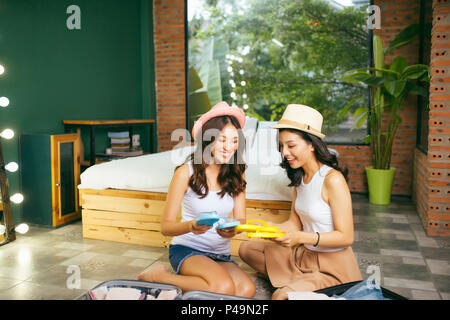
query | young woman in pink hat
(316,251)
(212,179)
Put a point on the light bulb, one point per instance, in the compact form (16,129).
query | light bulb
(2,229)
(245,106)
(4,102)
(16,198)
(2,69)
(7,134)
(22,228)
(243,83)
(12,166)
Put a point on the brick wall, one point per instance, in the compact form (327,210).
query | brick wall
(169,35)
(434,167)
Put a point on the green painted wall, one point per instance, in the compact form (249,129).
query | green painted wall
(102,71)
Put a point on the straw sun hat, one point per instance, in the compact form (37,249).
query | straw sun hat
(303,118)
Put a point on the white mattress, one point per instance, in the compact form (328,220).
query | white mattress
(266,180)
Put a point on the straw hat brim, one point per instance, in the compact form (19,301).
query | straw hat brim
(288,126)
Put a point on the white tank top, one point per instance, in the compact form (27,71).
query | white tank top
(210,241)
(314,212)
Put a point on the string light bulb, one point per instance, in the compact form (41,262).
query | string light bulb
(16,198)
(12,166)
(7,134)
(2,229)
(4,102)
(22,228)
(2,69)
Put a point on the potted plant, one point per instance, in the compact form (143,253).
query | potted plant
(390,85)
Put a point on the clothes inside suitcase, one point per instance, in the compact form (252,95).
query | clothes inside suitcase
(148,289)
(342,288)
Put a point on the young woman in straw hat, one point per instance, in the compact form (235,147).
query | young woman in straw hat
(211,180)
(315,252)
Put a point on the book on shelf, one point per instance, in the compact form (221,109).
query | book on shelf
(120,140)
(128,153)
(119,135)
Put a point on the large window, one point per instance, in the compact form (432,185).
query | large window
(262,55)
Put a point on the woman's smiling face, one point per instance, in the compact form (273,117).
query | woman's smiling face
(295,149)
(225,144)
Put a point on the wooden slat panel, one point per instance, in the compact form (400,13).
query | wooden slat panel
(269,204)
(268,215)
(119,204)
(126,193)
(264,204)
(134,236)
(117,219)
(123,219)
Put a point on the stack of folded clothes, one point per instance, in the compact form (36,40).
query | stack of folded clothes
(119,293)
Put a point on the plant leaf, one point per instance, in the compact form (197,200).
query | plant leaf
(344,110)
(360,117)
(405,36)
(415,71)
(355,77)
(194,81)
(416,89)
(395,87)
(399,64)
(378,53)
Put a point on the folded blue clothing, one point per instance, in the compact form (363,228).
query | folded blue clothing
(365,290)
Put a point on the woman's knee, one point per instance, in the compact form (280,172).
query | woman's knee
(223,286)
(243,249)
(281,293)
(246,289)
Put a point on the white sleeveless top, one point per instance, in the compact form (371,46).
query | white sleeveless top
(210,241)
(314,212)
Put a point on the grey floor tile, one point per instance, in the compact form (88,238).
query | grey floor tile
(416,261)
(442,283)
(401,253)
(435,253)
(406,271)
(445,295)
(6,283)
(440,267)
(404,292)
(425,295)
(409,284)
(398,244)
(32,291)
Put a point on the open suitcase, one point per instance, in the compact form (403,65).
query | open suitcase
(154,289)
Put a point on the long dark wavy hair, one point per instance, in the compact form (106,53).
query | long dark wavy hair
(321,152)
(230,175)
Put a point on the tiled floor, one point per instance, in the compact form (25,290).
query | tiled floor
(390,242)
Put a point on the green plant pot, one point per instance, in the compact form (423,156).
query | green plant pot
(380,185)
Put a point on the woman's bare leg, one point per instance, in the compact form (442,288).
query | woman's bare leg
(243,284)
(197,272)
(252,253)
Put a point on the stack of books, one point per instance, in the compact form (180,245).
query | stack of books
(121,146)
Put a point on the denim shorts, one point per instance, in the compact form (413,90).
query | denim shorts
(178,253)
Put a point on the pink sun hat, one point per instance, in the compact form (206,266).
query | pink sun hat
(220,109)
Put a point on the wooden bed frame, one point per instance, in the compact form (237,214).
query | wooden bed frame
(135,216)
